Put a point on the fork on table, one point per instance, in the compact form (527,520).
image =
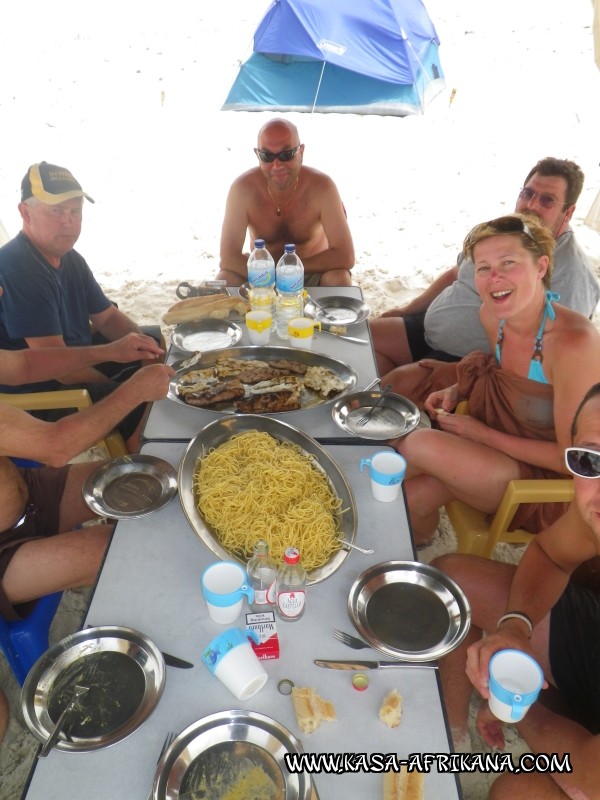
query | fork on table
(169,739)
(324,313)
(366,417)
(352,641)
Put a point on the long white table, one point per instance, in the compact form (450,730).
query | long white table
(169,420)
(151,582)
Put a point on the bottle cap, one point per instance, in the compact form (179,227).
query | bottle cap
(290,248)
(259,243)
(292,555)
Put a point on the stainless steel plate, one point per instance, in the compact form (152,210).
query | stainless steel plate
(346,310)
(128,487)
(125,672)
(205,335)
(409,610)
(221,431)
(219,747)
(396,416)
(309,399)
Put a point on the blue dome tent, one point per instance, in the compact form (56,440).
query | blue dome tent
(368,57)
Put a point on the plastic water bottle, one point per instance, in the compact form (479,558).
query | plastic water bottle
(262,575)
(261,279)
(291,586)
(289,279)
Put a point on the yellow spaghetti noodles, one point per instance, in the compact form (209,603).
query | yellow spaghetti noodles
(255,487)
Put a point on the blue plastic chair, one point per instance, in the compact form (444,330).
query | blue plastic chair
(24,641)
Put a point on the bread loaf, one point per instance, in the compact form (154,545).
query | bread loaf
(310,709)
(195,308)
(403,785)
(391,709)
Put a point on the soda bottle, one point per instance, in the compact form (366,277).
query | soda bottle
(262,575)
(291,586)
(261,279)
(289,281)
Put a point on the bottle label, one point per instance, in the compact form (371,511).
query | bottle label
(261,278)
(291,602)
(290,283)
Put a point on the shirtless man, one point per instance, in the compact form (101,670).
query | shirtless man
(547,609)
(283,201)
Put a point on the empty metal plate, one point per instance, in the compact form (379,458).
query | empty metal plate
(125,673)
(132,486)
(231,752)
(205,335)
(344,310)
(396,416)
(409,610)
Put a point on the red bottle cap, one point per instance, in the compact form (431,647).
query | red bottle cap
(292,555)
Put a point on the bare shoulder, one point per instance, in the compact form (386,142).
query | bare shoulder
(246,182)
(569,541)
(571,329)
(317,179)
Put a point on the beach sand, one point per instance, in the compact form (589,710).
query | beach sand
(128,98)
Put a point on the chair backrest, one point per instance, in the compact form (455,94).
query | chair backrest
(24,641)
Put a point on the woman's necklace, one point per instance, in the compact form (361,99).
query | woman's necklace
(283,205)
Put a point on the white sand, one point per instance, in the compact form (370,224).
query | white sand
(128,98)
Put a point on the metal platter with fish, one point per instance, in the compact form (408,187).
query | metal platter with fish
(124,672)
(231,753)
(255,380)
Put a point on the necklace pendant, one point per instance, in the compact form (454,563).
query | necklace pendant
(278,212)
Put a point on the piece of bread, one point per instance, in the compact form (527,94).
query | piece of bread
(441,413)
(403,785)
(391,709)
(310,709)
(194,308)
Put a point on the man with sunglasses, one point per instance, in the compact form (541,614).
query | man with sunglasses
(281,201)
(443,322)
(549,607)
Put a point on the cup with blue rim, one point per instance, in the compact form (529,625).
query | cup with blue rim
(232,660)
(224,586)
(387,469)
(515,681)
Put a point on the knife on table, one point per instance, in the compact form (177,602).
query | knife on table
(347,338)
(373,664)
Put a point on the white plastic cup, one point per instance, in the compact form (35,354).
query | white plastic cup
(233,661)
(259,326)
(387,473)
(301,330)
(515,680)
(224,586)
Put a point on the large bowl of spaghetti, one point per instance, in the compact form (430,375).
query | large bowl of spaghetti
(251,477)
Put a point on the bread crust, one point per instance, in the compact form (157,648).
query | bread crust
(195,308)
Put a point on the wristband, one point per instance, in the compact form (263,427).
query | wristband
(516,615)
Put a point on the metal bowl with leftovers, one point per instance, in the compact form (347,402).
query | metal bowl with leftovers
(231,753)
(124,672)
(255,380)
(129,487)
(409,610)
(395,416)
(205,335)
(337,311)
(221,431)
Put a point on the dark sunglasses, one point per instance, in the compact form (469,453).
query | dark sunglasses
(507,224)
(268,157)
(545,200)
(583,462)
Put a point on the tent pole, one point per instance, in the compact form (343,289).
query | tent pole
(312,111)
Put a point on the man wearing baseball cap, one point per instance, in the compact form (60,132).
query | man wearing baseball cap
(48,294)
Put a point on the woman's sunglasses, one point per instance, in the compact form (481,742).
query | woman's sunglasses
(583,462)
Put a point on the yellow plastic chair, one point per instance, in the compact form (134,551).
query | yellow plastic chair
(66,398)
(478,532)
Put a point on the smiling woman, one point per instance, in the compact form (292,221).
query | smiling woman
(545,358)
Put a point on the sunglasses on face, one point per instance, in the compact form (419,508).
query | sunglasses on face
(583,462)
(502,225)
(284,155)
(545,200)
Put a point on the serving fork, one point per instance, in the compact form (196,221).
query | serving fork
(323,311)
(366,417)
(352,641)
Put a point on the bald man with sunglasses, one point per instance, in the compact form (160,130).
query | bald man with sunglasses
(548,607)
(442,324)
(283,201)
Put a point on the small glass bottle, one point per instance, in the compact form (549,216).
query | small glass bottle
(291,586)
(262,576)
